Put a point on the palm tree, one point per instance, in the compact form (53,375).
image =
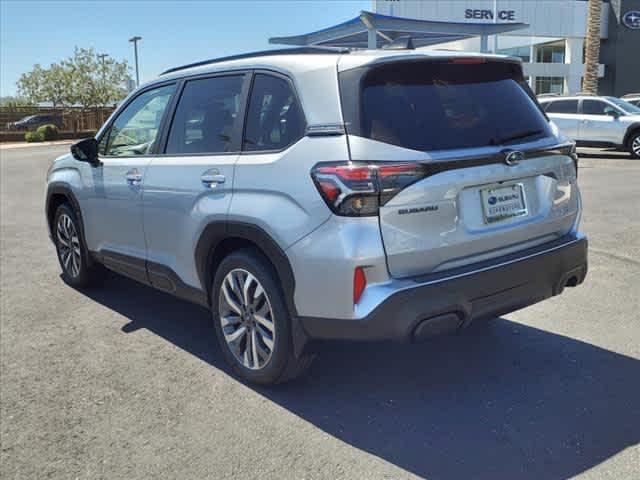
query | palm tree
(592,48)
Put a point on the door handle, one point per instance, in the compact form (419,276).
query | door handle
(133,176)
(212,177)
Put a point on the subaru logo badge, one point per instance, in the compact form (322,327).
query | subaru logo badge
(513,157)
(631,19)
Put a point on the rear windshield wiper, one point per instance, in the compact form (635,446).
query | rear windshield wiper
(517,136)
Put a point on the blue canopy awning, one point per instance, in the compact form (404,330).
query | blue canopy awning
(372,30)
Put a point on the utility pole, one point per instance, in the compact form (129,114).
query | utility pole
(101,57)
(135,40)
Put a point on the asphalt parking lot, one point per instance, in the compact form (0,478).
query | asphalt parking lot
(127,382)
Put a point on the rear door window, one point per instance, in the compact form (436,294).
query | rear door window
(563,106)
(205,116)
(596,107)
(274,118)
(440,105)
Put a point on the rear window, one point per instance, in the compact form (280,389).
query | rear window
(440,105)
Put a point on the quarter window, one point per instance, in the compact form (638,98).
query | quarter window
(274,119)
(563,106)
(135,129)
(205,116)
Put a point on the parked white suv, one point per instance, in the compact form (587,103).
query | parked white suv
(632,98)
(596,121)
(312,194)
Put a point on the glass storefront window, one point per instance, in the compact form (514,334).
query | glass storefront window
(549,85)
(523,52)
(550,54)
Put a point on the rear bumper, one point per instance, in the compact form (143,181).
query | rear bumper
(445,302)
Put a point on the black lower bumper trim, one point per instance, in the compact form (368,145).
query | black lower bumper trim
(484,292)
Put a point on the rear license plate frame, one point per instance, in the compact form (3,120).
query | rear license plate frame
(502,210)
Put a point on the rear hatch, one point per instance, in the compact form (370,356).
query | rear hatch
(469,168)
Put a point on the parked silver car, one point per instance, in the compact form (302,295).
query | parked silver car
(313,194)
(632,98)
(596,121)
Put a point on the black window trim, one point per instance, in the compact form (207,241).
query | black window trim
(238,129)
(107,128)
(292,85)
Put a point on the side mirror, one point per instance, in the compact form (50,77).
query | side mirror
(86,151)
(612,112)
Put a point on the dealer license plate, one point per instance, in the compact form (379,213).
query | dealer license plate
(501,203)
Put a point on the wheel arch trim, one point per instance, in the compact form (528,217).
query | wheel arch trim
(631,129)
(64,189)
(218,231)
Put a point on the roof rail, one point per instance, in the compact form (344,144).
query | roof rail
(544,95)
(265,53)
(630,95)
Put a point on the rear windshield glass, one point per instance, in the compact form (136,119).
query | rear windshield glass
(440,105)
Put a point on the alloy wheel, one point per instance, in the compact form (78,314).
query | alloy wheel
(68,245)
(247,319)
(635,146)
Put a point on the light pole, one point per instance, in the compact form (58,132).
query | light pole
(135,51)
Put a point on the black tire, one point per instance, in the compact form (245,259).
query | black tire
(282,364)
(634,142)
(81,271)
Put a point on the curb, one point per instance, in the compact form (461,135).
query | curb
(11,146)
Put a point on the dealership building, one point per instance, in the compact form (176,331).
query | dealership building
(548,35)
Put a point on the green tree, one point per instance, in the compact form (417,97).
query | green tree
(31,85)
(79,80)
(57,86)
(96,82)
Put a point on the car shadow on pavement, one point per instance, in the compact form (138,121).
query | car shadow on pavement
(499,401)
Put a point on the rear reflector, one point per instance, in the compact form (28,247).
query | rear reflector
(359,284)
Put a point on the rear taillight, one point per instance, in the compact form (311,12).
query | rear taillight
(574,156)
(359,189)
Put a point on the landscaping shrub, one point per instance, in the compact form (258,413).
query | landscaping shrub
(36,136)
(48,132)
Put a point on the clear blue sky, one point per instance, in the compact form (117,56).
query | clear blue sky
(174,32)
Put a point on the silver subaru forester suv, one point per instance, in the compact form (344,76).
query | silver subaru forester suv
(313,194)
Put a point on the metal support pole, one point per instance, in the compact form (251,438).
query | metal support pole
(484,44)
(135,52)
(372,39)
(495,20)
